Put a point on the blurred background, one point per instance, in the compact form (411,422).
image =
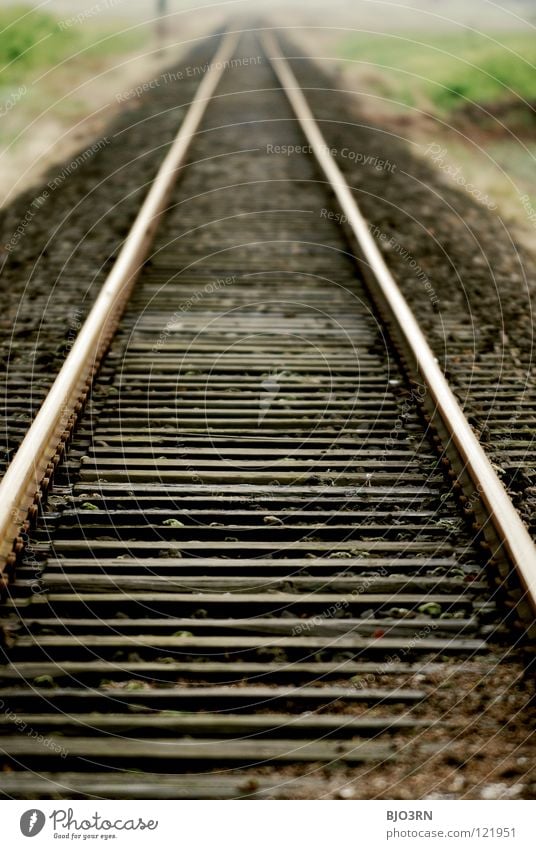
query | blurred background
(427,70)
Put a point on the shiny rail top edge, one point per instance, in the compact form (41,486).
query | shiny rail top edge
(514,539)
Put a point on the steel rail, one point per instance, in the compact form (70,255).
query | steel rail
(41,448)
(510,537)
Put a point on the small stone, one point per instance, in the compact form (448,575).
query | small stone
(500,791)
(345,793)
(431,608)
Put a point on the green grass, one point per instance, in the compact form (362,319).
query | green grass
(31,41)
(445,71)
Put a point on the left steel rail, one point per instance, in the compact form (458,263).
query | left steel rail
(29,473)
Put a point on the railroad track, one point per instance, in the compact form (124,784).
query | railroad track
(253,567)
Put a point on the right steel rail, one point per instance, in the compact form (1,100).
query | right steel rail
(503,529)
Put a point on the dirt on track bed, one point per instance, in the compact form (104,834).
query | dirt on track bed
(470,285)
(485,757)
